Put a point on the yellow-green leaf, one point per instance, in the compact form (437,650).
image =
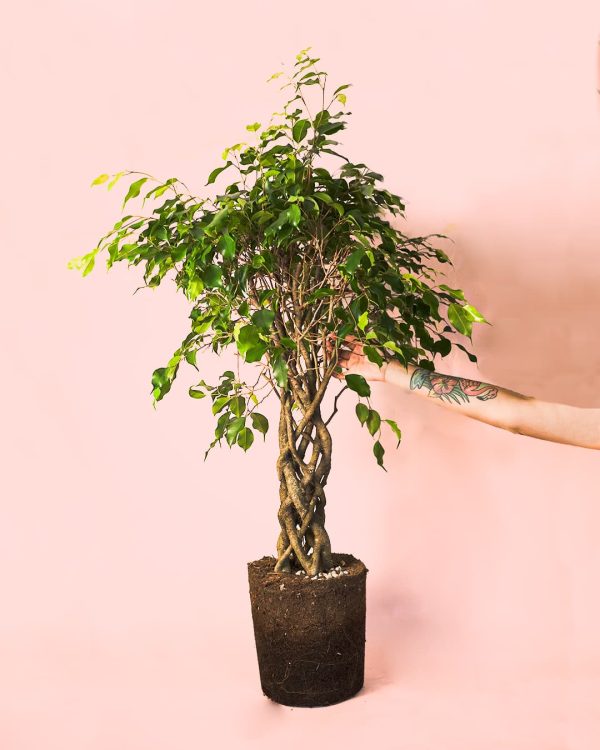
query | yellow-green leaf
(115,179)
(474,313)
(134,189)
(100,179)
(460,319)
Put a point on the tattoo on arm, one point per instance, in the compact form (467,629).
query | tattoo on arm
(449,388)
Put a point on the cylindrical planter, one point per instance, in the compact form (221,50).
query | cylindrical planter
(309,633)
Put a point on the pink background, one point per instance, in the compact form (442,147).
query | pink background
(124,624)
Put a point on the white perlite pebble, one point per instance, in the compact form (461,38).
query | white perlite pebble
(332,573)
(282,587)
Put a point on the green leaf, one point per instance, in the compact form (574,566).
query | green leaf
(354,260)
(160,189)
(279,367)
(294,215)
(255,353)
(457,293)
(373,355)
(245,438)
(363,319)
(219,404)
(260,422)
(378,452)
(300,130)
(216,172)
(396,430)
(237,405)
(254,127)
(324,291)
(161,383)
(432,302)
(213,276)
(341,88)
(217,221)
(392,346)
(210,447)
(100,179)
(194,287)
(287,342)
(234,428)
(362,412)
(373,421)
(248,341)
(460,319)
(159,232)
(190,357)
(358,384)
(247,338)
(195,393)
(263,319)
(474,313)
(227,247)
(222,423)
(279,222)
(134,190)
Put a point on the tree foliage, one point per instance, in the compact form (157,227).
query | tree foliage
(286,254)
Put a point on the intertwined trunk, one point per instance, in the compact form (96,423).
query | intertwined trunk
(303,542)
(304,459)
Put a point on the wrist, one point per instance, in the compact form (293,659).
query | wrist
(398,374)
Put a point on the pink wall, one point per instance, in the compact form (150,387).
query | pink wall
(119,609)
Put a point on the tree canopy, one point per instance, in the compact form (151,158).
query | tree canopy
(286,254)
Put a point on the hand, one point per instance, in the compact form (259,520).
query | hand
(352,359)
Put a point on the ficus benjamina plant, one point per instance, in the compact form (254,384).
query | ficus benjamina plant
(286,259)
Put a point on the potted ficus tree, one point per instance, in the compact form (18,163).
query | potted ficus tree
(286,260)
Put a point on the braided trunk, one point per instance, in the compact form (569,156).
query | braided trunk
(303,542)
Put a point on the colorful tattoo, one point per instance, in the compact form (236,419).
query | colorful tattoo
(449,388)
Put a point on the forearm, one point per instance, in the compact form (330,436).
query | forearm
(501,407)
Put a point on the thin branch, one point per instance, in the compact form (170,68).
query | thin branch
(335,405)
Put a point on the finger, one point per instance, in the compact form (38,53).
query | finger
(345,353)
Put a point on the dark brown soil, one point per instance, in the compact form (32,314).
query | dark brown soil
(310,634)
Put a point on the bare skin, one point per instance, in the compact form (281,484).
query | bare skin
(485,402)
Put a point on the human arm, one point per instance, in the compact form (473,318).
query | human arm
(485,402)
